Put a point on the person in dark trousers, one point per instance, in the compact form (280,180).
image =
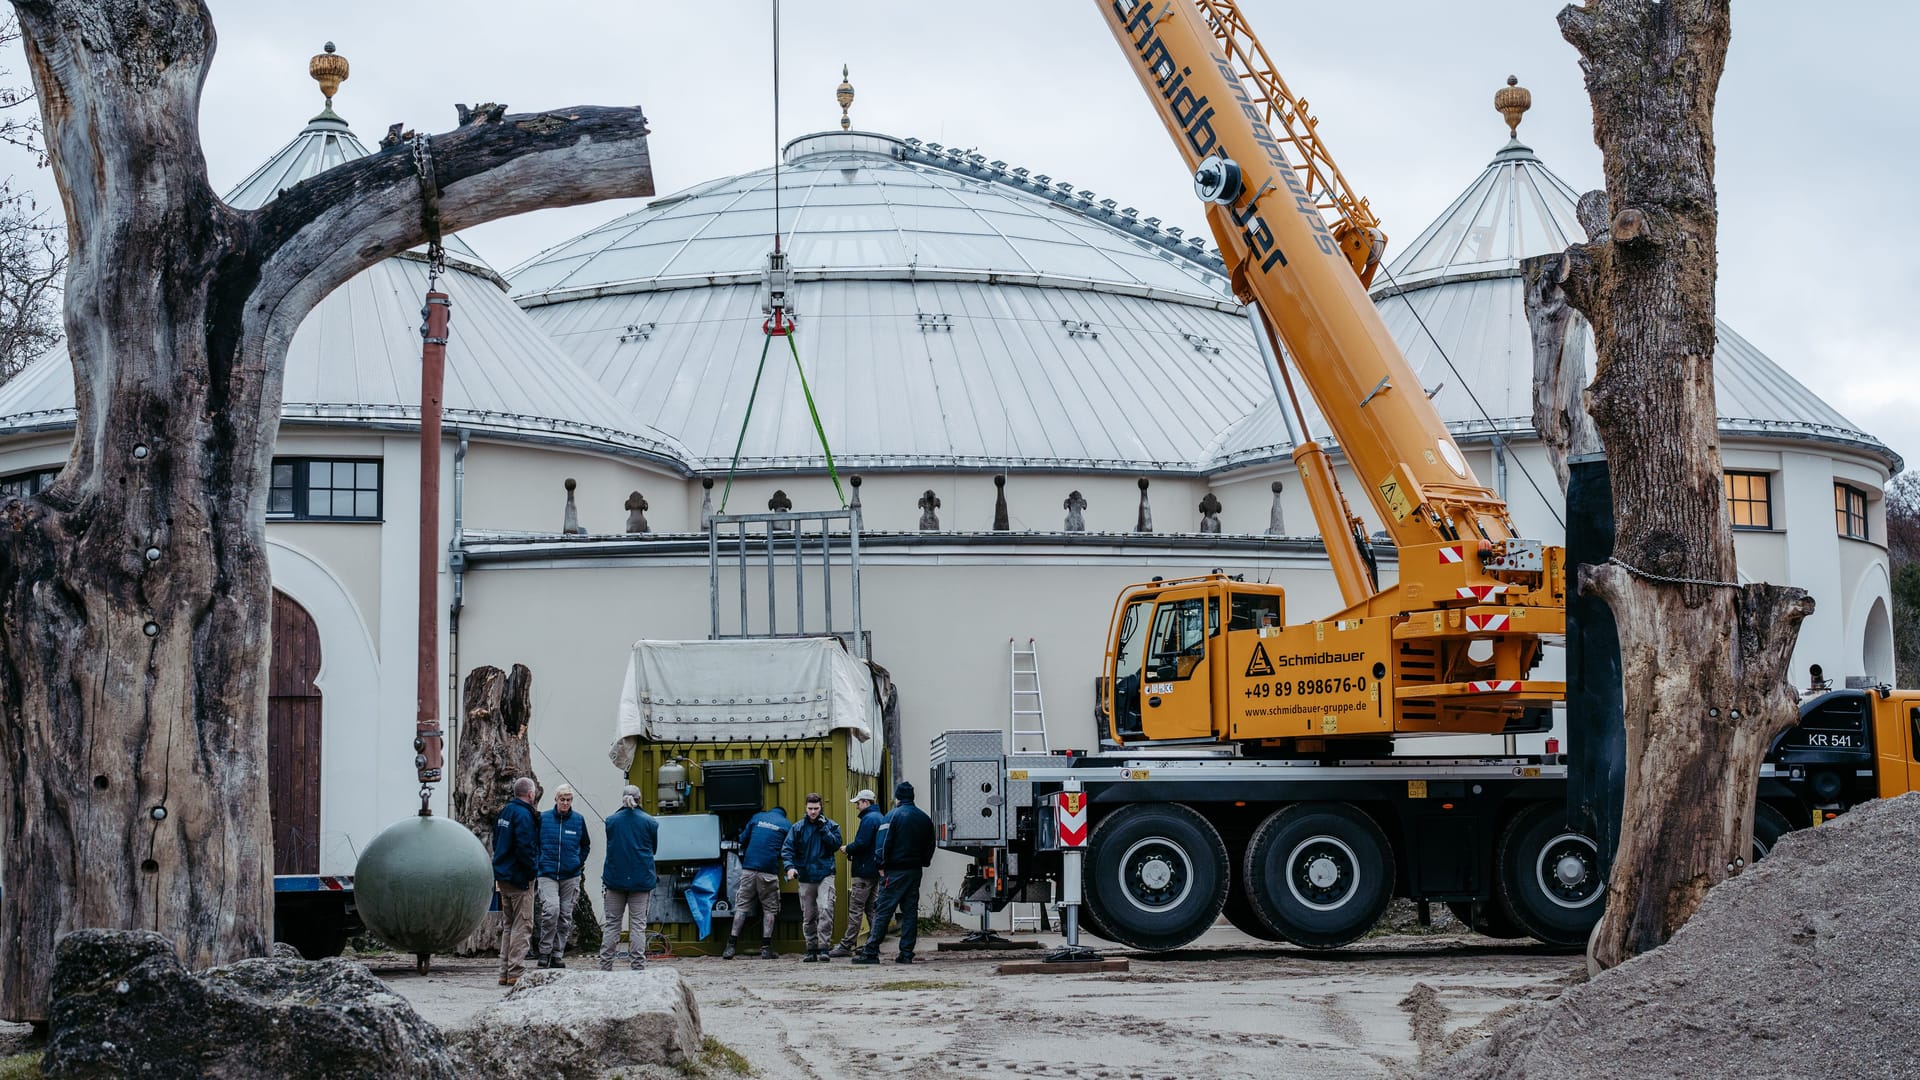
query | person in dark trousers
(627,878)
(863,873)
(808,856)
(906,847)
(564,846)
(516,861)
(760,843)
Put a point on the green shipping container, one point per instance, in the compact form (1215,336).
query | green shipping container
(836,765)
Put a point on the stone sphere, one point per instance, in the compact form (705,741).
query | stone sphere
(423,885)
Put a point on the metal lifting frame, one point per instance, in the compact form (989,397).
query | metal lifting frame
(781,543)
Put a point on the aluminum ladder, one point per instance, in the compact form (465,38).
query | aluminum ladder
(1026,712)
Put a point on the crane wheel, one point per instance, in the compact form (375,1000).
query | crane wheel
(1769,825)
(1319,874)
(1549,880)
(1157,876)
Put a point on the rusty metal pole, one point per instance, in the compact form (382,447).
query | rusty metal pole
(428,758)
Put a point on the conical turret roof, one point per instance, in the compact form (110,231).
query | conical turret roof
(1454,300)
(355,359)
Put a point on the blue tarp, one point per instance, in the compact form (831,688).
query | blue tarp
(699,895)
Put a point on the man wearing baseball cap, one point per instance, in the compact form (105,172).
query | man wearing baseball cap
(906,847)
(863,872)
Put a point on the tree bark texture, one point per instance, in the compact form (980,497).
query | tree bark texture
(1703,659)
(134,592)
(492,751)
(1559,367)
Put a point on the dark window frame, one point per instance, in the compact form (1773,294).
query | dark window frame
(300,489)
(26,483)
(1764,503)
(1849,510)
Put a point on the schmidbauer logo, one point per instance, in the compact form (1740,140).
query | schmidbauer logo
(1302,659)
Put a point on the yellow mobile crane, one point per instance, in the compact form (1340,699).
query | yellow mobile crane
(1243,772)
(1449,647)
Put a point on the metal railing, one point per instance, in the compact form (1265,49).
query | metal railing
(803,544)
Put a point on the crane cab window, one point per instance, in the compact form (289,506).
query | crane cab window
(1178,644)
(1254,611)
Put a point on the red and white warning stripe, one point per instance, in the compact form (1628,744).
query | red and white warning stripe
(1486,623)
(1494,686)
(1453,553)
(1482,593)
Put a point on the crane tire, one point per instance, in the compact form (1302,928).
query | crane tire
(1769,825)
(1547,876)
(1319,874)
(1157,876)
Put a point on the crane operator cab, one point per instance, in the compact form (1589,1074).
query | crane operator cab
(1169,650)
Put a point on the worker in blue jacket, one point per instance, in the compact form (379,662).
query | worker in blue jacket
(627,878)
(516,860)
(808,856)
(760,843)
(863,871)
(564,846)
(906,848)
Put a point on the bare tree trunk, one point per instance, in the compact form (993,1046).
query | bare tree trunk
(134,591)
(1703,658)
(492,753)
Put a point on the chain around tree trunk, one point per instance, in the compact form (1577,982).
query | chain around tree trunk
(1643,575)
(429,207)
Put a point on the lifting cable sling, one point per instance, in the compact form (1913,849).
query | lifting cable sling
(781,320)
(774,327)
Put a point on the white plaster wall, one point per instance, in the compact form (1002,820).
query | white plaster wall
(520,487)
(351,553)
(940,622)
(35,452)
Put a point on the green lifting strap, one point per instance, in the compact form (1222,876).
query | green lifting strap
(812,411)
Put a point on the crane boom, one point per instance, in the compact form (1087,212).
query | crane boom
(1450,645)
(1286,260)
(1355,227)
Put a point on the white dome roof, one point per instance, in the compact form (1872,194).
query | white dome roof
(953,313)
(864,203)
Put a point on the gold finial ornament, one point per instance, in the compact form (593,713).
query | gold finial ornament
(1513,101)
(329,69)
(845,97)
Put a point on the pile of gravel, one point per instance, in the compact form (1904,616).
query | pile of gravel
(1805,965)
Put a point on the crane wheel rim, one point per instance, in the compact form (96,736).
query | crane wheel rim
(1308,865)
(1558,857)
(1155,874)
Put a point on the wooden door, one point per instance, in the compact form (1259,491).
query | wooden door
(293,739)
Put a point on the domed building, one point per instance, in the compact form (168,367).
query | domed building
(1037,388)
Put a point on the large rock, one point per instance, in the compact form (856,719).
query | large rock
(124,1006)
(1804,965)
(582,1024)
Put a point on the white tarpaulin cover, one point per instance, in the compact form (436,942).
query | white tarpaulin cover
(707,691)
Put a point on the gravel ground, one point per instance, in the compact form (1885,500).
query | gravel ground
(1804,966)
(1227,1007)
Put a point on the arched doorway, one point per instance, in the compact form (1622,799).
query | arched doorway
(293,739)
(1876,644)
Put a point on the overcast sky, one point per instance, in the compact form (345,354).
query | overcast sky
(1816,124)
